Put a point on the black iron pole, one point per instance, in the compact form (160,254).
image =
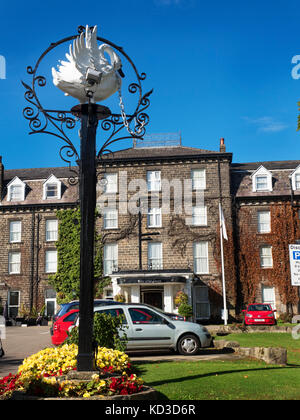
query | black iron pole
(87,193)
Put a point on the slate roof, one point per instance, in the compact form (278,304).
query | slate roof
(160,152)
(37,173)
(241,181)
(34,179)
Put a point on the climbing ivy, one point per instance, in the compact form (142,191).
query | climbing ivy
(66,281)
(285,230)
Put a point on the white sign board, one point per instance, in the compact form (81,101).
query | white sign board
(295,264)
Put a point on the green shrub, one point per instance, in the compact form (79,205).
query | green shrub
(185,310)
(106,332)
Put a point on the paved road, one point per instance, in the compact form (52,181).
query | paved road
(22,342)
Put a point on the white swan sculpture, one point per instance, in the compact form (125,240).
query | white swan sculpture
(85,54)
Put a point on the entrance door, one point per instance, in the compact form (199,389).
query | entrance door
(153,296)
(50,307)
(268,296)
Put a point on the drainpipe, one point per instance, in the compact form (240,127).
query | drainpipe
(31,288)
(37,260)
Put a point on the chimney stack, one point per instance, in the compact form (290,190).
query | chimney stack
(222,145)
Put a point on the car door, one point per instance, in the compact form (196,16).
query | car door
(149,329)
(115,311)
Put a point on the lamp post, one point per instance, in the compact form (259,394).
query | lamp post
(90,77)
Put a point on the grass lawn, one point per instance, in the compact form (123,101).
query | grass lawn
(229,380)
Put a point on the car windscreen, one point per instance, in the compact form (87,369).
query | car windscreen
(71,317)
(62,310)
(256,308)
(159,310)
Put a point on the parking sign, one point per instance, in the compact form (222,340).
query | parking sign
(295,264)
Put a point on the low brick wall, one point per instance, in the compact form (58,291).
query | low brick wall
(234,329)
(270,355)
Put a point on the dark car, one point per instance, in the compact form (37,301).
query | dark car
(67,307)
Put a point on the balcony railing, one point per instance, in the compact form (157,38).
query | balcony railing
(155,265)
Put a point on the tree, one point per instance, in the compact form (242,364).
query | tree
(66,281)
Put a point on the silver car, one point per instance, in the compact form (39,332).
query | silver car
(148,328)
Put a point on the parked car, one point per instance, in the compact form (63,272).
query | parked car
(62,325)
(259,314)
(66,307)
(148,328)
(171,315)
(175,317)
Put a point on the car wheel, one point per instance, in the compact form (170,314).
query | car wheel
(188,345)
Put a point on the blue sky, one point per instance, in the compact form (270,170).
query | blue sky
(218,69)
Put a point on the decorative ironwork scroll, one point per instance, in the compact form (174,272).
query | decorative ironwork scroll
(58,122)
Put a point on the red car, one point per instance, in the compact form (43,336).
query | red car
(61,325)
(259,314)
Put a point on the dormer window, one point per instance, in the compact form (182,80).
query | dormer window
(16,190)
(261,183)
(261,180)
(52,188)
(297,181)
(295,178)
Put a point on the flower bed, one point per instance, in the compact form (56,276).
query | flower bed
(44,374)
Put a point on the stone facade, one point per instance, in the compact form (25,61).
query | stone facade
(179,251)
(159,285)
(23,277)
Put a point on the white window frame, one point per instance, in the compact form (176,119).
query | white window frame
(55,305)
(52,180)
(201,259)
(271,289)
(155,256)
(110,218)
(154,218)
(198,177)
(266,257)
(51,234)
(50,265)
(260,173)
(110,258)
(295,177)
(14,264)
(16,183)
(264,221)
(154,181)
(199,216)
(15,235)
(111,184)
